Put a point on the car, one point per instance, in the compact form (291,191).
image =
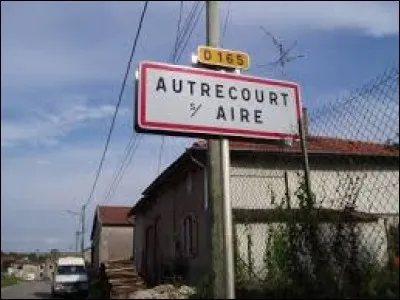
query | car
(70,277)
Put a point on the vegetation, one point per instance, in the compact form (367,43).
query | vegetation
(306,259)
(7,280)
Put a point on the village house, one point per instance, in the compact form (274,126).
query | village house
(111,235)
(26,270)
(171,217)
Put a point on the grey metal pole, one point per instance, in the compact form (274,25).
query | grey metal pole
(76,241)
(305,156)
(228,230)
(83,229)
(215,190)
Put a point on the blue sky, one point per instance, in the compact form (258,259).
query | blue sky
(62,66)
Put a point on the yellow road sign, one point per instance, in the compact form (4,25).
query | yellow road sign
(223,57)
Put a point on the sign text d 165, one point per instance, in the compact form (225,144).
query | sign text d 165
(223,57)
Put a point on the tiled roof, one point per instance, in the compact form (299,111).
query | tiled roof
(315,145)
(114,215)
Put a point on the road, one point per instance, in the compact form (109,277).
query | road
(27,290)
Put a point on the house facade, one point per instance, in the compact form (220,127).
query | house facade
(111,235)
(172,217)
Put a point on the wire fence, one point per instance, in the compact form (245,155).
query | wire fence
(344,240)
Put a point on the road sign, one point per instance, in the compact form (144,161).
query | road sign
(189,101)
(223,57)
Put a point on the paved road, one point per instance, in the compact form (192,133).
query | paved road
(27,290)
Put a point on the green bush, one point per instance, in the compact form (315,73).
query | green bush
(7,280)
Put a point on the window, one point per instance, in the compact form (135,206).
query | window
(190,236)
(71,270)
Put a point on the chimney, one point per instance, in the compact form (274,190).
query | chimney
(305,121)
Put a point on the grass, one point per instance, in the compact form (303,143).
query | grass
(7,280)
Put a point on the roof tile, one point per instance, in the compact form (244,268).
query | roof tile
(316,145)
(114,215)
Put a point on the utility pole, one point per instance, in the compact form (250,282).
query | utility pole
(303,135)
(80,214)
(83,229)
(76,241)
(222,269)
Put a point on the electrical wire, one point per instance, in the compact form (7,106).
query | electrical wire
(118,104)
(180,38)
(178,30)
(125,166)
(128,148)
(183,32)
(227,19)
(160,155)
(196,20)
(186,27)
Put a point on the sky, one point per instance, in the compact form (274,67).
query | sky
(62,66)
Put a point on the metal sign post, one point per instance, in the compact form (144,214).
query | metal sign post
(214,195)
(215,179)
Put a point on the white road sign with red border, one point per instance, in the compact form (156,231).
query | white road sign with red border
(190,101)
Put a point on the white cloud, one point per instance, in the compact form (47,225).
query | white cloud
(51,189)
(65,182)
(374,18)
(52,43)
(62,43)
(46,127)
(43,162)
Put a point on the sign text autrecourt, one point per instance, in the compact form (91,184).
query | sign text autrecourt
(190,101)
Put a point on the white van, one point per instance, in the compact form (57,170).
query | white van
(70,277)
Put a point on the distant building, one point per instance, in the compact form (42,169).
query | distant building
(111,235)
(27,270)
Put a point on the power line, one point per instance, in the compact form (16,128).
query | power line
(186,26)
(180,37)
(160,155)
(118,103)
(130,151)
(121,170)
(178,30)
(116,173)
(125,166)
(228,13)
(196,20)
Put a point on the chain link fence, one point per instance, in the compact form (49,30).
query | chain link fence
(343,241)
